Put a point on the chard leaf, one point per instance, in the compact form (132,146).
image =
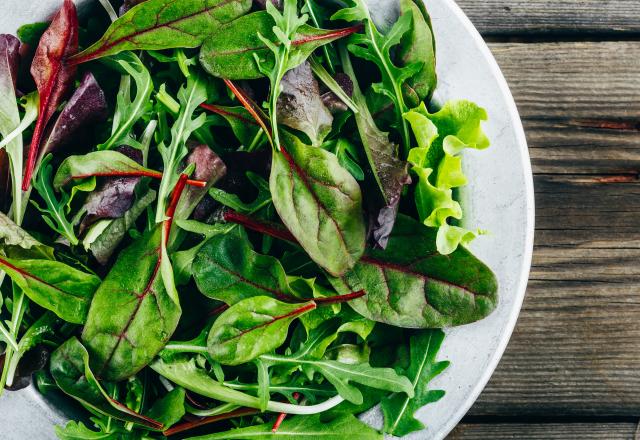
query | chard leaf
(52,74)
(232,52)
(54,286)
(389,172)
(227,269)
(300,105)
(320,203)
(10,116)
(164,24)
(437,162)
(414,286)
(15,242)
(70,369)
(128,324)
(129,111)
(312,427)
(252,327)
(398,409)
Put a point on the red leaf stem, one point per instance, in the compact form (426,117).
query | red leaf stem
(340,298)
(282,416)
(251,107)
(152,174)
(221,111)
(171,209)
(270,229)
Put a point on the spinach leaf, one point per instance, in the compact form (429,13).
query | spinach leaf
(227,269)
(52,74)
(128,111)
(398,409)
(300,105)
(320,203)
(232,52)
(54,286)
(132,314)
(252,327)
(441,138)
(389,172)
(376,47)
(414,286)
(10,116)
(313,427)
(70,369)
(164,24)
(169,409)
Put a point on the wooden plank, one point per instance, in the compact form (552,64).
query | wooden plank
(575,351)
(552,431)
(568,17)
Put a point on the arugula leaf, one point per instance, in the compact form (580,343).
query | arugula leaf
(163,24)
(312,427)
(441,138)
(52,74)
(398,409)
(79,431)
(70,369)
(227,269)
(252,327)
(417,287)
(129,111)
(375,47)
(54,209)
(320,203)
(232,52)
(234,202)
(389,172)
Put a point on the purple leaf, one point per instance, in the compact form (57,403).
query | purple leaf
(87,105)
(10,54)
(128,4)
(332,101)
(115,195)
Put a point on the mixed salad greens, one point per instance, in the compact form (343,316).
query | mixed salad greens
(232,219)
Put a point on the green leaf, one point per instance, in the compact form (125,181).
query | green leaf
(15,242)
(251,328)
(398,409)
(227,269)
(132,315)
(244,127)
(70,369)
(418,45)
(233,201)
(441,138)
(54,286)
(232,52)
(311,427)
(412,285)
(31,33)
(320,203)
(165,24)
(169,409)
(128,111)
(78,431)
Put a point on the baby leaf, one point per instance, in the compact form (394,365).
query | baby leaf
(399,409)
(132,315)
(388,170)
(300,105)
(164,24)
(320,203)
(251,328)
(231,53)
(169,409)
(53,76)
(54,286)
(345,426)
(414,286)
(244,127)
(228,269)
(70,369)
(87,105)
(15,242)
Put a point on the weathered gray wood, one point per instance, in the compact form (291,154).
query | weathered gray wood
(552,431)
(517,17)
(576,348)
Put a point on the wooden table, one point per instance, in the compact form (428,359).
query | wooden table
(572,368)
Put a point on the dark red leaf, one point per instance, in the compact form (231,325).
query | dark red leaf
(331,100)
(53,77)
(87,105)
(10,54)
(5,181)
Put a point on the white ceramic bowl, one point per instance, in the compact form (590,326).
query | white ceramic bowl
(499,198)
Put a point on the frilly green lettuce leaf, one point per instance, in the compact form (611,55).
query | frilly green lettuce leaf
(441,137)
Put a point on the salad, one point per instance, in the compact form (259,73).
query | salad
(232,219)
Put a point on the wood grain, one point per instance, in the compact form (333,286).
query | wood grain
(576,348)
(552,431)
(557,17)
